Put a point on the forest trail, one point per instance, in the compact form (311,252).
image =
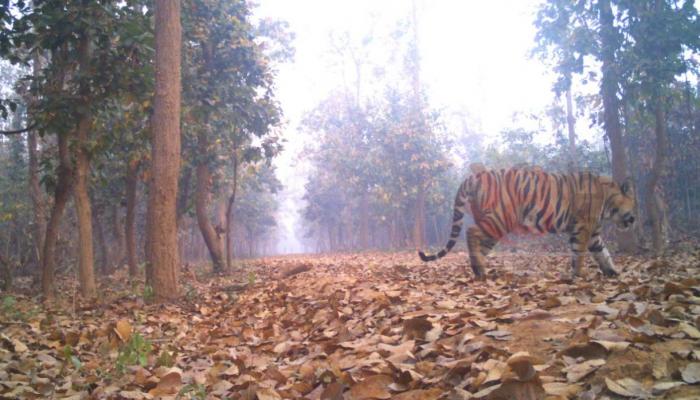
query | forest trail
(370,326)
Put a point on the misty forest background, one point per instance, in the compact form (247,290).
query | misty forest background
(381,162)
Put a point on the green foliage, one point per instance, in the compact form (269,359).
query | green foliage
(251,278)
(148,293)
(70,356)
(10,309)
(9,305)
(134,352)
(256,202)
(166,358)
(193,391)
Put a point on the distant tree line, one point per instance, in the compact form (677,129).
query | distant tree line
(377,159)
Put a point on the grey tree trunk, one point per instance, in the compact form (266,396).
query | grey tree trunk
(653,196)
(611,107)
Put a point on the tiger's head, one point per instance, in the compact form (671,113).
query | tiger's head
(621,204)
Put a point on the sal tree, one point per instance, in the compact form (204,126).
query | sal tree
(87,46)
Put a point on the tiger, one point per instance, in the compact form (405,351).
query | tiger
(530,200)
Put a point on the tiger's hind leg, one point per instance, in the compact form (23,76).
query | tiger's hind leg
(479,244)
(601,254)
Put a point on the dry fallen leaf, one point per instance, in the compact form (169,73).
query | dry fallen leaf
(373,387)
(627,387)
(576,372)
(562,389)
(123,330)
(691,373)
(419,394)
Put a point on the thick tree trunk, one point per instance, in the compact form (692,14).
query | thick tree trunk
(611,107)
(130,226)
(202,199)
(62,191)
(653,201)
(571,127)
(86,267)
(163,254)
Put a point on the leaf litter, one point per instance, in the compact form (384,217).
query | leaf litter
(369,326)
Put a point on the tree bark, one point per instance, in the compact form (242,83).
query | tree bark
(202,199)
(163,254)
(229,211)
(364,221)
(38,201)
(119,235)
(83,209)
(419,219)
(104,249)
(130,226)
(571,126)
(62,191)
(653,201)
(37,197)
(611,107)
(5,273)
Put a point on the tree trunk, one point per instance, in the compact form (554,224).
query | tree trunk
(62,191)
(654,202)
(100,236)
(130,226)
(611,107)
(571,126)
(86,267)
(83,209)
(119,235)
(202,198)
(209,235)
(37,197)
(229,211)
(364,221)
(419,219)
(5,273)
(163,254)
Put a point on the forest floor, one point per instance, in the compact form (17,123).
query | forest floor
(369,326)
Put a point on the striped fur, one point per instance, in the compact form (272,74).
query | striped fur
(533,201)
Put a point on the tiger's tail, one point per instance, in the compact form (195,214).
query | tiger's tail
(457,221)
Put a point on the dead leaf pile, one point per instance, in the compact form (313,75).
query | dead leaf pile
(370,326)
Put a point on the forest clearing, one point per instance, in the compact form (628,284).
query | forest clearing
(331,199)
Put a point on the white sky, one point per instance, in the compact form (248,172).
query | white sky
(474,59)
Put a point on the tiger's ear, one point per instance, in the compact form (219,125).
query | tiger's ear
(627,187)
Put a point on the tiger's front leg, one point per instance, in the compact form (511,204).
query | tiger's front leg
(601,255)
(578,241)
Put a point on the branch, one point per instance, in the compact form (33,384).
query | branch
(18,131)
